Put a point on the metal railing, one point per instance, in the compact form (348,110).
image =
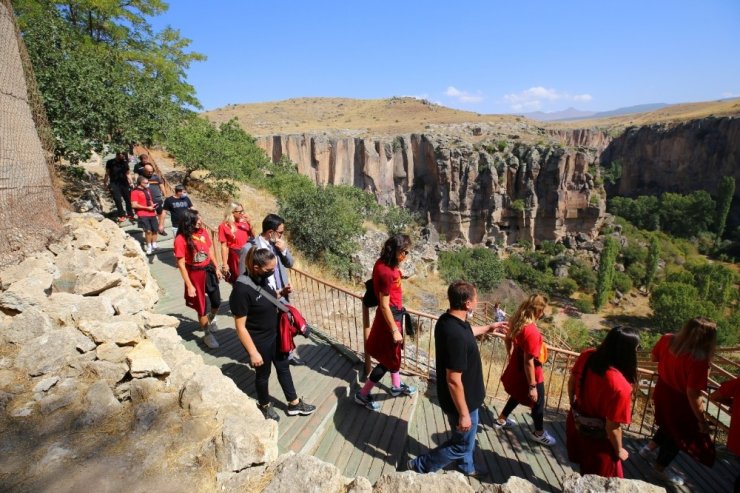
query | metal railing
(339,315)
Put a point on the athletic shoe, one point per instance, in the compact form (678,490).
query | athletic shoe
(162,232)
(149,250)
(508,422)
(669,476)
(300,408)
(544,439)
(647,453)
(411,465)
(269,412)
(403,389)
(210,340)
(293,360)
(366,401)
(154,246)
(121,219)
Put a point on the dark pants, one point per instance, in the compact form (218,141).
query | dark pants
(668,448)
(270,356)
(121,191)
(378,372)
(538,411)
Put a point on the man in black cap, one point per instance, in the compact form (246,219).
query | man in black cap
(176,205)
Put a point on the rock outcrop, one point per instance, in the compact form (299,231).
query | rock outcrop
(482,194)
(681,158)
(94,387)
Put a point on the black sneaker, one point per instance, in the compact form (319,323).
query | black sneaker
(269,412)
(162,233)
(300,408)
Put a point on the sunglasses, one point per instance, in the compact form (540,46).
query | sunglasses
(238,212)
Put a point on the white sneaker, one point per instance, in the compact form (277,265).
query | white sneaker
(154,246)
(544,439)
(149,250)
(210,341)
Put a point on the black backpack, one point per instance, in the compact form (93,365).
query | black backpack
(369,299)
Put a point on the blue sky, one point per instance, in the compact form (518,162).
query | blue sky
(483,56)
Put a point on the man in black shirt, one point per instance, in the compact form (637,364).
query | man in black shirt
(176,206)
(118,180)
(460,387)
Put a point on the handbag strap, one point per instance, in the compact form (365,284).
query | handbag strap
(249,282)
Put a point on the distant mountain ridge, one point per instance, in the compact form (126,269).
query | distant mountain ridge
(576,114)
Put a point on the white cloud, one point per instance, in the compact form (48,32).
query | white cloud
(534,98)
(463,96)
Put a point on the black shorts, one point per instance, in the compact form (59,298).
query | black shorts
(158,207)
(148,223)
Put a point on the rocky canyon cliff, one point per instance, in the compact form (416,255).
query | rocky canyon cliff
(491,188)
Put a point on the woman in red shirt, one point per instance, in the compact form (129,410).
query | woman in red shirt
(200,272)
(385,339)
(233,233)
(683,371)
(523,377)
(600,392)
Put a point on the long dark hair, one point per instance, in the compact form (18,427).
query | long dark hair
(391,247)
(618,350)
(188,227)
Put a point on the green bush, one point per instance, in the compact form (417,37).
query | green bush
(584,305)
(564,286)
(398,220)
(576,334)
(622,282)
(605,278)
(324,225)
(728,329)
(674,303)
(480,266)
(584,275)
(637,273)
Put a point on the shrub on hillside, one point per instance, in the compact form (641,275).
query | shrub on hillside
(622,282)
(583,275)
(480,266)
(576,334)
(324,224)
(674,302)
(584,305)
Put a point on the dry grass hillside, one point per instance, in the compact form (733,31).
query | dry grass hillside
(393,116)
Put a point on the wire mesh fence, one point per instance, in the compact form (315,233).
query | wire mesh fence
(30,203)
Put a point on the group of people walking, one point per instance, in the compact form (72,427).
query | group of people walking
(600,385)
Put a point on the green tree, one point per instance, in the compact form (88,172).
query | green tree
(104,74)
(651,262)
(674,303)
(725,193)
(480,266)
(605,278)
(224,152)
(324,225)
(686,215)
(714,282)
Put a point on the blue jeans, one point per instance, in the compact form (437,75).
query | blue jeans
(458,448)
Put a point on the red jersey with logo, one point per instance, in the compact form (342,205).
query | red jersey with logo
(202,243)
(680,372)
(236,239)
(140,196)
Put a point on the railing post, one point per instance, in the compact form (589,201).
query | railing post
(365,335)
